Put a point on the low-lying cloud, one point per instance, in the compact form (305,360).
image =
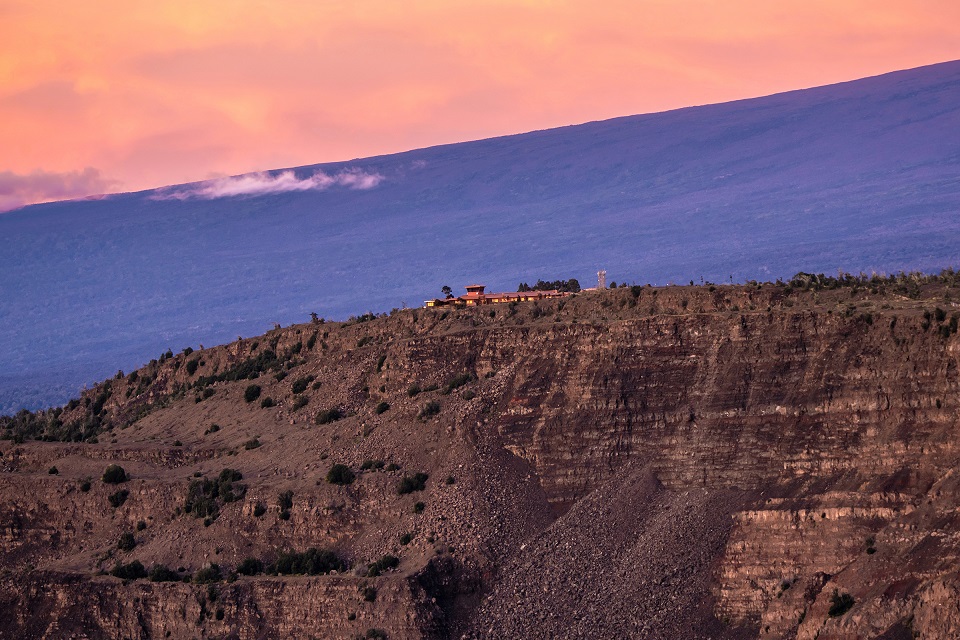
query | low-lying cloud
(17,190)
(255,184)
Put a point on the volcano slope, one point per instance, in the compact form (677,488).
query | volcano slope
(759,461)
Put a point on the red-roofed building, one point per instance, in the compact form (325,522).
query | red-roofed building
(475,296)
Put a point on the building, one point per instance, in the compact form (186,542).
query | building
(475,296)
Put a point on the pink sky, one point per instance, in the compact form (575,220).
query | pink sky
(107,96)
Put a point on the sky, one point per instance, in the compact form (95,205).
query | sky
(105,96)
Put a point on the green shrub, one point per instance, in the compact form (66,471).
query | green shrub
(340,474)
(413,390)
(382,565)
(369,593)
(300,384)
(383,407)
(53,471)
(141,525)
(205,497)
(251,393)
(285,500)
(840,603)
(312,562)
(380,362)
(371,465)
(133,571)
(250,567)
(406,538)
(259,509)
(409,484)
(114,474)
(160,573)
(192,366)
(329,415)
(458,381)
(117,499)
(253,443)
(85,485)
(419,507)
(299,402)
(127,542)
(267,402)
(374,633)
(208,574)
(430,409)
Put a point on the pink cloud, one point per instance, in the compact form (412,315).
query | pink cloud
(17,190)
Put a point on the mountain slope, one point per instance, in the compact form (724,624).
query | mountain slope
(710,462)
(859,176)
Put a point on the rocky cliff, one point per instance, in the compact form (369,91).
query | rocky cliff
(761,461)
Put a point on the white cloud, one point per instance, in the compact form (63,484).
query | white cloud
(255,184)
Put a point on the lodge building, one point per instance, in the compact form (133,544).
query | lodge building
(475,296)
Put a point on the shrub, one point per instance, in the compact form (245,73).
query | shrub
(380,362)
(430,409)
(250,567)
(300,384)
(251,393)
(192,366)
(177,443)
(85,485)
(141,525)
(371,464)
(205,496)
(312,562)
(127,542)
(385,563)
(114,474)
(409,484)
(252,443)
(267,402)
(329,415)
(458,381)
(340,474)
(133,571)
(117,499)
(469,394)
(53,471)
(160,573)
(450,480)
(840,603)
(383,407)
(369,593)
(259,509)
(285,502)
(208,574)
(406,538)
(374,633)
(419,507)
(299,402)
(393,466)
(213,429)
(414,390)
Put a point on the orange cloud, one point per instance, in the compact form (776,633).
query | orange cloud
(159,93)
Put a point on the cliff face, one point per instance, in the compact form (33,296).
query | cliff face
(742,461)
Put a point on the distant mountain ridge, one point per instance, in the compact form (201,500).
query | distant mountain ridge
(863,175)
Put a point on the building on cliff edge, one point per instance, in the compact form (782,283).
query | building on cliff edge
(475,296)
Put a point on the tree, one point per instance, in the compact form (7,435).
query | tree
(446,291)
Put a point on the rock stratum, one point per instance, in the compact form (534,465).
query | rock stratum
(759,461)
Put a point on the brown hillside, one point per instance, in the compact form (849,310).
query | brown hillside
(725,462)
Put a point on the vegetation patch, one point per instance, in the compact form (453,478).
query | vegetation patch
(409,484)
(114,474)
(329,415)
(205,497)
(340,474)
(840,603)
